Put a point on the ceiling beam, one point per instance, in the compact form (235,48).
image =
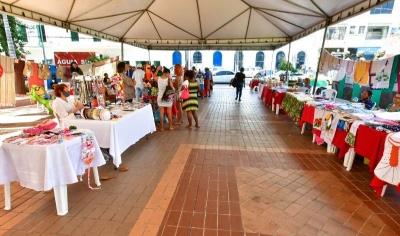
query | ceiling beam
(198,13)
(302,7)
(173,24)
(70,10)
(102,17)
(93,9)
(248,23)
(319,8)
(127,18)
(262,15)
(229,21)
(290,23)
(147,8)
(159,36)
(289,12)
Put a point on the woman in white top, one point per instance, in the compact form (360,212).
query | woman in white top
(162,81)
(64,105)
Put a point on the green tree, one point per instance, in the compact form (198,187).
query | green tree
(283,65)
(19,37)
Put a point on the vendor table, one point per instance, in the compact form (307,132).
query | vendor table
(264,92)
(293,107)
(277,99)
(47,167)
(254,83)
(268,96)
(121,134)
(260,89)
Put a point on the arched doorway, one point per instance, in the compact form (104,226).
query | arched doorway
(217,58)
(176,58)
(260,59)
(301,60)
(279,56)
(238,60)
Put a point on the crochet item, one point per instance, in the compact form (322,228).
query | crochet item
(388,168)
(88,150)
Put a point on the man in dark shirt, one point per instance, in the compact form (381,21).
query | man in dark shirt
(240,83)
(366,99)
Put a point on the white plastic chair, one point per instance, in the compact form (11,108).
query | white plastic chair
(330,94)
(304,90)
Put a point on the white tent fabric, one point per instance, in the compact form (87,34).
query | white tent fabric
(191,24)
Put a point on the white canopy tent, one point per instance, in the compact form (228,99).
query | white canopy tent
(191,24)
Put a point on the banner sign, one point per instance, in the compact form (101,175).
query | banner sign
(66,58)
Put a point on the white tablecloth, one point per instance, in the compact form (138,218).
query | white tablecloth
(42,167)
(119,135)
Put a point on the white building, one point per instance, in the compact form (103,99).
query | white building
(367,32)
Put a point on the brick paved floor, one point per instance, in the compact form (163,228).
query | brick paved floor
(246,171)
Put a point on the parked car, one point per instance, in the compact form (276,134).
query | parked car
(216,68)
(253,71)
(223,76)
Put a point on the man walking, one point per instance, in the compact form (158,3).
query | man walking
(138,75)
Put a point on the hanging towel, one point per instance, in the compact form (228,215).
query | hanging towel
(380,73)
(361,72)
(329,125)
(318,114)
(350,72)
(351,136)
(342,71)
(323,65)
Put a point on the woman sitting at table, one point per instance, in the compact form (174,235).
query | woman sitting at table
(366,99)
(64,105)
(395,106)
(307,83)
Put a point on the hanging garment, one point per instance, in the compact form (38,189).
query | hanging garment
(380,73)
(7,82)
(361,72)
(342,70)
(86,69)
(351,136)
(318,114)
(19,66)
(329,124)
(28,69)
(388,169)
(323,65)
(44,71)
(34,79)
(350,72)
(62,73)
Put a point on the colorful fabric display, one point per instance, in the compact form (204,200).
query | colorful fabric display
(350,72)
(342,70)
(318,114)
(351,136)
(380,73)
(388,169)
(88,150)
(329,125)
(323,65)
(361,72)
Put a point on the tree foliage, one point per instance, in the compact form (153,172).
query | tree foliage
(17,36)
(283,65)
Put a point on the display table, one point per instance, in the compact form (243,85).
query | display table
(268,96)
(277,99)
(254,83)
(260,89)
(264,92)
(46,167)
(121,134)
(293,106)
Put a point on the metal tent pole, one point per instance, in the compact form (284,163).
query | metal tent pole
(319,59)
(148,50)
(122,51)
(288,63)
(272,61)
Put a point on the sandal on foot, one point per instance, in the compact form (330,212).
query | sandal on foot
(197,126)
(188,126)
(177,123)
(161,130)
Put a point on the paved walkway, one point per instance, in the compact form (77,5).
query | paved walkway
(246,171)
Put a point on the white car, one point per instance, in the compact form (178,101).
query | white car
(253,71)
(223,76)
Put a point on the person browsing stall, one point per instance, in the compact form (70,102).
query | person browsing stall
(366,99)
(163,78)
(207,81)
(64,105)
(395,106)
(138,76)
(127,83)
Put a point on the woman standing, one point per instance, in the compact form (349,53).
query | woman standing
(128,84)
(178,71)
(163,80)
(191,105)
(240,79)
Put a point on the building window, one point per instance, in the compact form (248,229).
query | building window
(22,32)
(217,58)
(386,8)
(377,32)
(336,33)
(176,58)
(197,57)
(301,59)
(352,30)
(41,33)
(74,36)
(96,39)
(361,30)
(279,57)
(260,59)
